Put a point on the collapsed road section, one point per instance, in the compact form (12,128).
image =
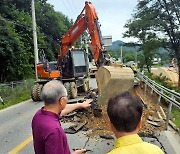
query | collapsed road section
(91,126)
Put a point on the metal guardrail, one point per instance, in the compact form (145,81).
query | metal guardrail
(172,97)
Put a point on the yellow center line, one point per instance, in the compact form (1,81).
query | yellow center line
(21,145)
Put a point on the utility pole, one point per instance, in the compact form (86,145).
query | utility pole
(87,52)
(86,45)
(34,38)
(121,55)
(81,39)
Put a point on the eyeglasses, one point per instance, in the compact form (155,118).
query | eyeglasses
(62,97)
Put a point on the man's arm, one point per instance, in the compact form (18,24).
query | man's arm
(71,107)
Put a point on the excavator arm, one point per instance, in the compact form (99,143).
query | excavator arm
(88,19)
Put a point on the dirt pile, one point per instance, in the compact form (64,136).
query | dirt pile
(97,119)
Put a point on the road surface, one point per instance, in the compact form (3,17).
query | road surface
(16,136)
(15,128)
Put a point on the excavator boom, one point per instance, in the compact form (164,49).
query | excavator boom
(86,20)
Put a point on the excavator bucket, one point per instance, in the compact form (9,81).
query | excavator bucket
(112,80)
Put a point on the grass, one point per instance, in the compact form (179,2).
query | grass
(20,92)
(176,116)
(162,81)
(11,101)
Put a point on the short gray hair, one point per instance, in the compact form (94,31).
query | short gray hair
(53,91)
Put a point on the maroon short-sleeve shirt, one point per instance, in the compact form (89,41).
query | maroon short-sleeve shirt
(48,135)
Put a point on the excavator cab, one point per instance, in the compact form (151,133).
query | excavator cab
(75,64)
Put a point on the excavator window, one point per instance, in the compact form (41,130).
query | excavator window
(80,64)
(79,59)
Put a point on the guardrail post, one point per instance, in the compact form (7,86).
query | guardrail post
(168,113)
(156,107)
(152,88)
(26,84)
(12,86)
(145,88)
(159,98)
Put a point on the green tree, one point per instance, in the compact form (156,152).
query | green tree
(114,53)
(128,57)
(149,42)
(141,61)
(16,40)
(14,59)
(150,48)
(157,18)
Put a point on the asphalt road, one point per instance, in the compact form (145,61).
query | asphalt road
(15,126)
(15,132)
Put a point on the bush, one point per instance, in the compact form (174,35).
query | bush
(15,92)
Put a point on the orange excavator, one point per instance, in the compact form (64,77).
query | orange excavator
(72,65)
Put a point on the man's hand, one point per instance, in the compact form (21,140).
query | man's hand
(86,103)
(79,151)
(71,107)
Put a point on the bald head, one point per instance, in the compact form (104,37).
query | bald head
(124,111)
(53,91)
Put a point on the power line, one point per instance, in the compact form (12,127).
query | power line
(51,39)
(74,6)
(67,8)
(27,27)
(71,7)
(16,23)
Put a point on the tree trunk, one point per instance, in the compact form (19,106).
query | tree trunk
(178,63)
(177,53)
(147,65)
(179,75)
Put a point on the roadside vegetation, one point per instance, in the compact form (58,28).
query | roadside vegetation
(16,39)
(175,113)
(15,92)
(16,44)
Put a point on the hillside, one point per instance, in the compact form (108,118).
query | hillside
(117,45)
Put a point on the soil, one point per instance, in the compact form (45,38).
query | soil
(98,125)
(150,101)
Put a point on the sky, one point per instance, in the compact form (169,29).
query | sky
(112,14)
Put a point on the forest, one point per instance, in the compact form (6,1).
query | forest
(16,36)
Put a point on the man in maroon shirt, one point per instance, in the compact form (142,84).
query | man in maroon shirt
(48,135)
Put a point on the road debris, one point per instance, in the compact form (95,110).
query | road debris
(74,129)
(70,114)
(96,118)
(157,124)
(154,119)
(108,137)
